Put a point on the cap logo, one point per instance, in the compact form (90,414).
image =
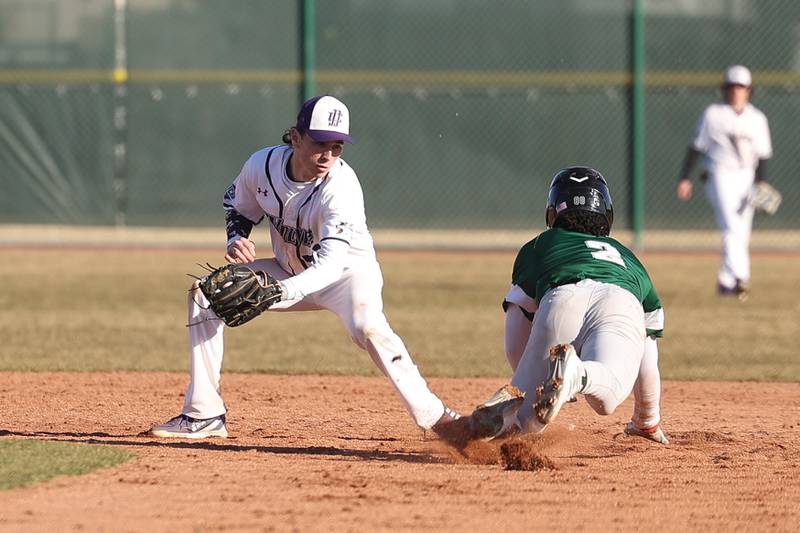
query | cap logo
(334,118)
(579,180)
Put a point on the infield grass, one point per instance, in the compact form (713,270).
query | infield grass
(24,462)
(101,309)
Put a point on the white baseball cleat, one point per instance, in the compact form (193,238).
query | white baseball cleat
(498,415)
(186,427)
(656,434)
(563,383)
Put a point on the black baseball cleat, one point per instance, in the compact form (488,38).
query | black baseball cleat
(741,290)
(451,427)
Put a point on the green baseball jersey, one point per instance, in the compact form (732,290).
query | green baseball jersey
(558,257)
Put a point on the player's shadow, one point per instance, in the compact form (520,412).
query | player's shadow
(106,439)
(55,434)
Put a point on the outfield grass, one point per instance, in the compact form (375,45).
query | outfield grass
(95,309)
(24,462)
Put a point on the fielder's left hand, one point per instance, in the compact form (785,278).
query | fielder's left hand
(242,250)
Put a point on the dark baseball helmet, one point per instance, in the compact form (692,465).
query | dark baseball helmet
(579,189)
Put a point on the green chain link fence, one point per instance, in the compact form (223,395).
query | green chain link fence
(141,113)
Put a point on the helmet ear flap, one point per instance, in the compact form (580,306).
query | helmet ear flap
(610,217)
(550,216)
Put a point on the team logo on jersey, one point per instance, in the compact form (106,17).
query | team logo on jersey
(230,194)
(334,118)
(296,236)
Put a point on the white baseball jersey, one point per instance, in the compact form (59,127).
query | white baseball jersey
(325,259)
(302,216)
(732,141)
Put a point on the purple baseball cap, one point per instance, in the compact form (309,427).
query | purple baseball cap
(325,118)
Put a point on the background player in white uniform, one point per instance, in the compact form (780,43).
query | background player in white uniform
(735,139)
(595,313)
(324,259)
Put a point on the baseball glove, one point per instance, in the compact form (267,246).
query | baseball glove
(238,294)
(765,198)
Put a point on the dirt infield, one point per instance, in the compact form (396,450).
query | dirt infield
(340,454)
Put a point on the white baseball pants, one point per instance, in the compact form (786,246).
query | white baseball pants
(356,299)
(605,324)
(646,389)
(727,191)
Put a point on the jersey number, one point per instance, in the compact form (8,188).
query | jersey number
(606,252)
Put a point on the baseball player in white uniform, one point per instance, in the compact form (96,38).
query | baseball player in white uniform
(735,139)
(323,257)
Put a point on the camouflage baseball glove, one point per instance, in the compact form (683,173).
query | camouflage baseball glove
(238,294)
(765,198)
